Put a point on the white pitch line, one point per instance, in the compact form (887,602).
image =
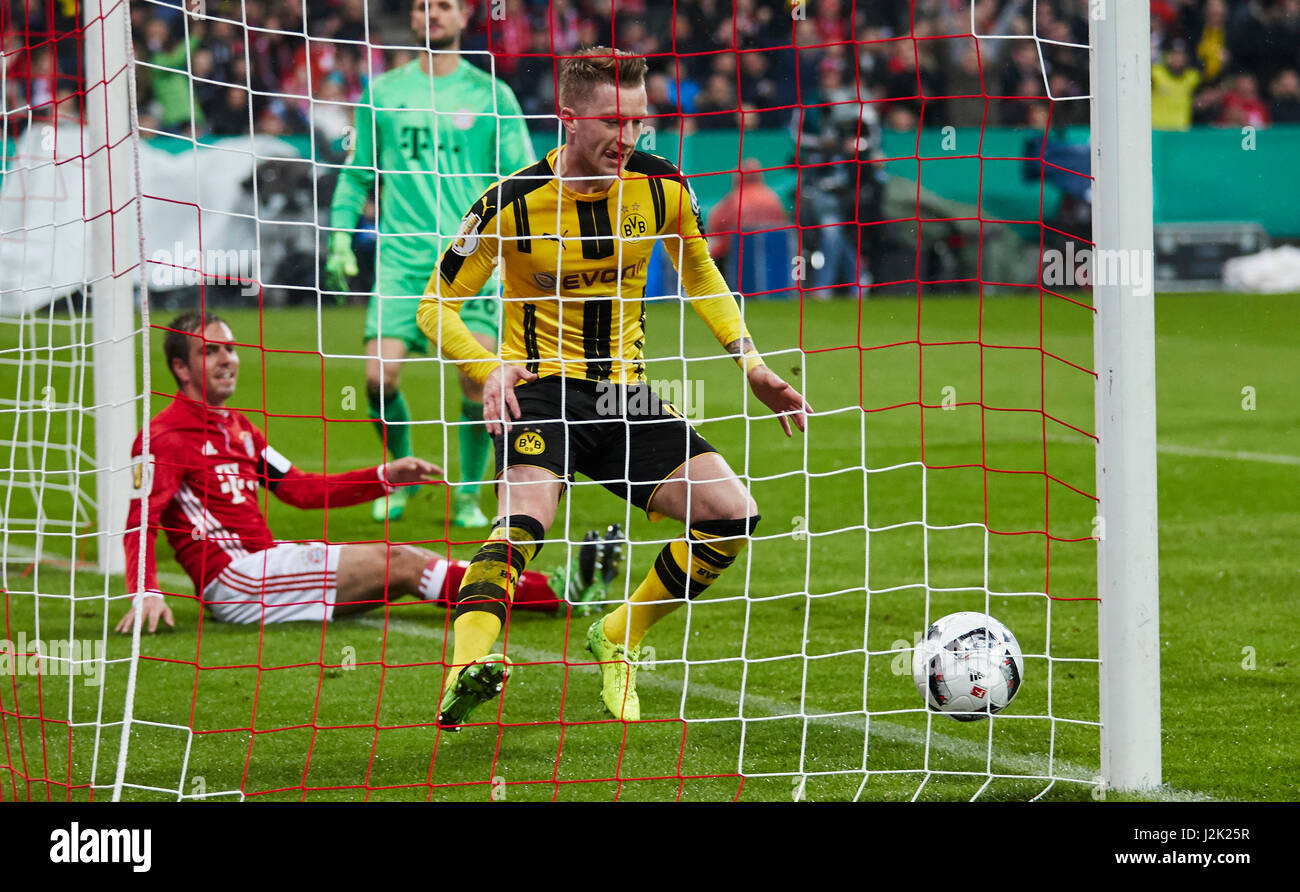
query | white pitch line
(892,732)
(1230,455)
(1272,458)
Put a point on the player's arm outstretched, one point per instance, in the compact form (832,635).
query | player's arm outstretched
(308,489)
(143,520)
(719,310)
(462,270)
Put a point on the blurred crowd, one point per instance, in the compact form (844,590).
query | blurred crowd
(838,73)
(1225,63)
(292,66)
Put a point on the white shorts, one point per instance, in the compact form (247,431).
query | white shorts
(289,582)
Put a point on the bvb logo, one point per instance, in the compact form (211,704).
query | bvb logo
(530,443)
(634,225)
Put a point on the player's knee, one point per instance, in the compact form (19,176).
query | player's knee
(383,381)
(736,510)
(407,564)
(726,535)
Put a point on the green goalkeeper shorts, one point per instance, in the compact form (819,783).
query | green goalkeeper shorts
(392,311)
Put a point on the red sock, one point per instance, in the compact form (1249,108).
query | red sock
(532,592)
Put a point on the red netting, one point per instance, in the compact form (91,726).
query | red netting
(868,108)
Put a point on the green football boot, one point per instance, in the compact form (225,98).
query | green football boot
(611,554)
(465,512)
(391,506)
(579,583)
(618,673)
(479,682)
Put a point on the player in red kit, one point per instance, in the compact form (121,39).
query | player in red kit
(208,464)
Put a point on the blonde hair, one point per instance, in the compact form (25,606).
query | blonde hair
(597,65)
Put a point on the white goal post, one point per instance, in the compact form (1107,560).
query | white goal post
(114,263)
(1124,349)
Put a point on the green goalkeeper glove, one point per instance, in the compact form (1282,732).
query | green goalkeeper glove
(340,262)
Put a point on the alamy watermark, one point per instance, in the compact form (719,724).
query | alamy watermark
(104,845)
(667,397)
(71,657)
(1085,266)
(178,267)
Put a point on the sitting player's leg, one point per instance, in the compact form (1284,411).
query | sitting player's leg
(373,574)
(288,582)
(721,518)
(529,495)
(389,412)
(480,317)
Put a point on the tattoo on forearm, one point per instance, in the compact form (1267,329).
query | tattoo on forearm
(741,346)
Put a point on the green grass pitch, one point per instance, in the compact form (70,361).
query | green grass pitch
(792,676)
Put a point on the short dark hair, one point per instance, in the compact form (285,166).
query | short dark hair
(176,343)
(595,65)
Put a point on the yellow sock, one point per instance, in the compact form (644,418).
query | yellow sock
(476,632)
(652,602)
(681,571)
(488,586)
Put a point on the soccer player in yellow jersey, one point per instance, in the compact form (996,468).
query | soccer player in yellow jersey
(568,393)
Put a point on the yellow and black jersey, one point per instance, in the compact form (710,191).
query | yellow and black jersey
(574,271)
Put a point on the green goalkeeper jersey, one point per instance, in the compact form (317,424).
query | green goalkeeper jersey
(436,143)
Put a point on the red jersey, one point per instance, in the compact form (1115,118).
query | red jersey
(207,467)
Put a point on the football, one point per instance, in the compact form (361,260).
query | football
(968,666)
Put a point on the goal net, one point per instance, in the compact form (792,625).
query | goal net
(900,198)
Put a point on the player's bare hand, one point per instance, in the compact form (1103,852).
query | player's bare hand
(410,470)
(499,396)
(154,609)
(780,397)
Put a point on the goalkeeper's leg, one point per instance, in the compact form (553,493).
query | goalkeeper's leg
(475,447)
(529,495)
(721,519)
(389,412)
(482,317)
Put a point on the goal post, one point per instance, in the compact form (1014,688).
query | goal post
(1124,350)
(112,228)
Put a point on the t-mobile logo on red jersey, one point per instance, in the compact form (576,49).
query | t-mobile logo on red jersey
(232,483)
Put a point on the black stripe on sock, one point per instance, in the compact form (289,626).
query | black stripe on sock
(672,576)
(727,529)
(531,526)
(502,552)
(482,596)
(719,559)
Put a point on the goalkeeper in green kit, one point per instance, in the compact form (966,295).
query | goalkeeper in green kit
(436,133)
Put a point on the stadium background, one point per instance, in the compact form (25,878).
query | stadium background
(1224,475)
(293,69)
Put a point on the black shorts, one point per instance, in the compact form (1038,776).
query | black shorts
(623,437)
